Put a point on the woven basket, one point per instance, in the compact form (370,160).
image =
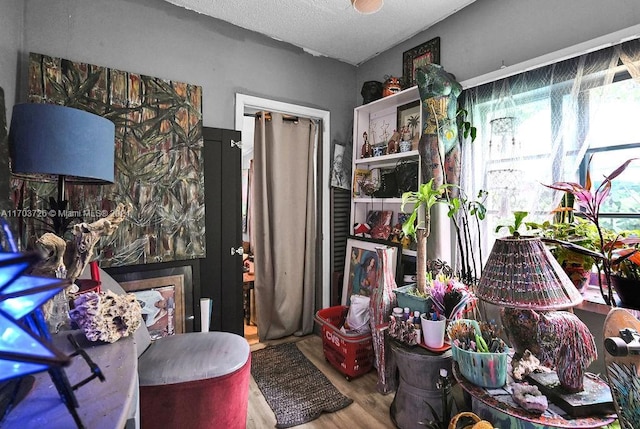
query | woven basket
(468,420)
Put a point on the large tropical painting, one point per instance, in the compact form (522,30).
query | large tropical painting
(157,155)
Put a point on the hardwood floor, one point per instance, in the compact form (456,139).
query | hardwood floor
(251,334)
(369,409)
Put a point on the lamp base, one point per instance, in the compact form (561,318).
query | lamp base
(594,399)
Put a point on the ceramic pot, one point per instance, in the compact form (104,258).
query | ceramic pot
(578,275)
(433,331)
(627,290)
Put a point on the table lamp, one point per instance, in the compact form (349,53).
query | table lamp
(48,142)
(522,276)
(24,348)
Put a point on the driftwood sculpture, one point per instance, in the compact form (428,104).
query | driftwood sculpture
(73,255)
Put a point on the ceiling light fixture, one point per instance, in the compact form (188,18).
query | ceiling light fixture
(367,7)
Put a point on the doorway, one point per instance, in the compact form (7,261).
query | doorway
(248,105)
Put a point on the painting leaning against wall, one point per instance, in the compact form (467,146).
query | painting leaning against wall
(157,155)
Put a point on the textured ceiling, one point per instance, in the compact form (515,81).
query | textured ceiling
(330,28)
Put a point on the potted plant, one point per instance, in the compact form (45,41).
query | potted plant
(466,215)
(423,199)
(625,269)
(577,266)
(611,253)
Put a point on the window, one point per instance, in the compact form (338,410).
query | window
(544,125)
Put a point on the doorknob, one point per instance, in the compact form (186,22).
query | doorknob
(238,251)
(237,144)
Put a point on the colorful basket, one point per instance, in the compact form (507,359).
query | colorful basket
(482,369)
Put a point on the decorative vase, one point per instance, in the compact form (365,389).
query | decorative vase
(381,304)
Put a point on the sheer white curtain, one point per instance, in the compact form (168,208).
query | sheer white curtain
(534,128)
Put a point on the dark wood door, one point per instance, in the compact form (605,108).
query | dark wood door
(221,270)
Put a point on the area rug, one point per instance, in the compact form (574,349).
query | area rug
(294,388)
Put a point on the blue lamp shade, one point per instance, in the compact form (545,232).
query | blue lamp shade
(48,140)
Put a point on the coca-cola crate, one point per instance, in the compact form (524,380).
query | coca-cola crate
(351,354)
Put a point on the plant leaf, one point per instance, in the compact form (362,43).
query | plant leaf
(574,247)
(620,169)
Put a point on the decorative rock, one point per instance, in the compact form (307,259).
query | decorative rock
(529,397)
(106,316)
(526,365)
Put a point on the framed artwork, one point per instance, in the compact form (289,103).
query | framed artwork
(340,169)
(361,266)
(360,177)
(421,55)
(162,302)
(381,127)
(158,139)
(409,118)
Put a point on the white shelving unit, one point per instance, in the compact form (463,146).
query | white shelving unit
(379,120)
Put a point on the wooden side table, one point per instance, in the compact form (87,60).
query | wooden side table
(419,371)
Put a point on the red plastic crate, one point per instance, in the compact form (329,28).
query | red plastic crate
(351,354)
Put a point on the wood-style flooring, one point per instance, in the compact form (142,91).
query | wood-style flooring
(369,409)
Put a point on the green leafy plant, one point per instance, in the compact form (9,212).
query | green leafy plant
(611,253)
(579,232)
(514,228)
(425,197)
(465,214)
(464,126)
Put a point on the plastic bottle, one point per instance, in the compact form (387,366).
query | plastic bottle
(398,314)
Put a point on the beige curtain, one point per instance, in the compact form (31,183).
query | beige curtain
(284,225)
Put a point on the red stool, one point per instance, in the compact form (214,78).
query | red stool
(195,380)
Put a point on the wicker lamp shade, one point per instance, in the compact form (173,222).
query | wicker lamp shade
(522,273)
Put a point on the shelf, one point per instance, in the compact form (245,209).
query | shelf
(385,158)
(377,200)
(403,97)
(408,252)
(379,119)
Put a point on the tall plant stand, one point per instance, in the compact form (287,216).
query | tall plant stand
(419,374)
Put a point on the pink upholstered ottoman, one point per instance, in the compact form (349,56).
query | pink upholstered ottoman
(195,380)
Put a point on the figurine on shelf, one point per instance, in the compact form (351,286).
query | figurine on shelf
(367,151)
(392,146)
(391,86)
